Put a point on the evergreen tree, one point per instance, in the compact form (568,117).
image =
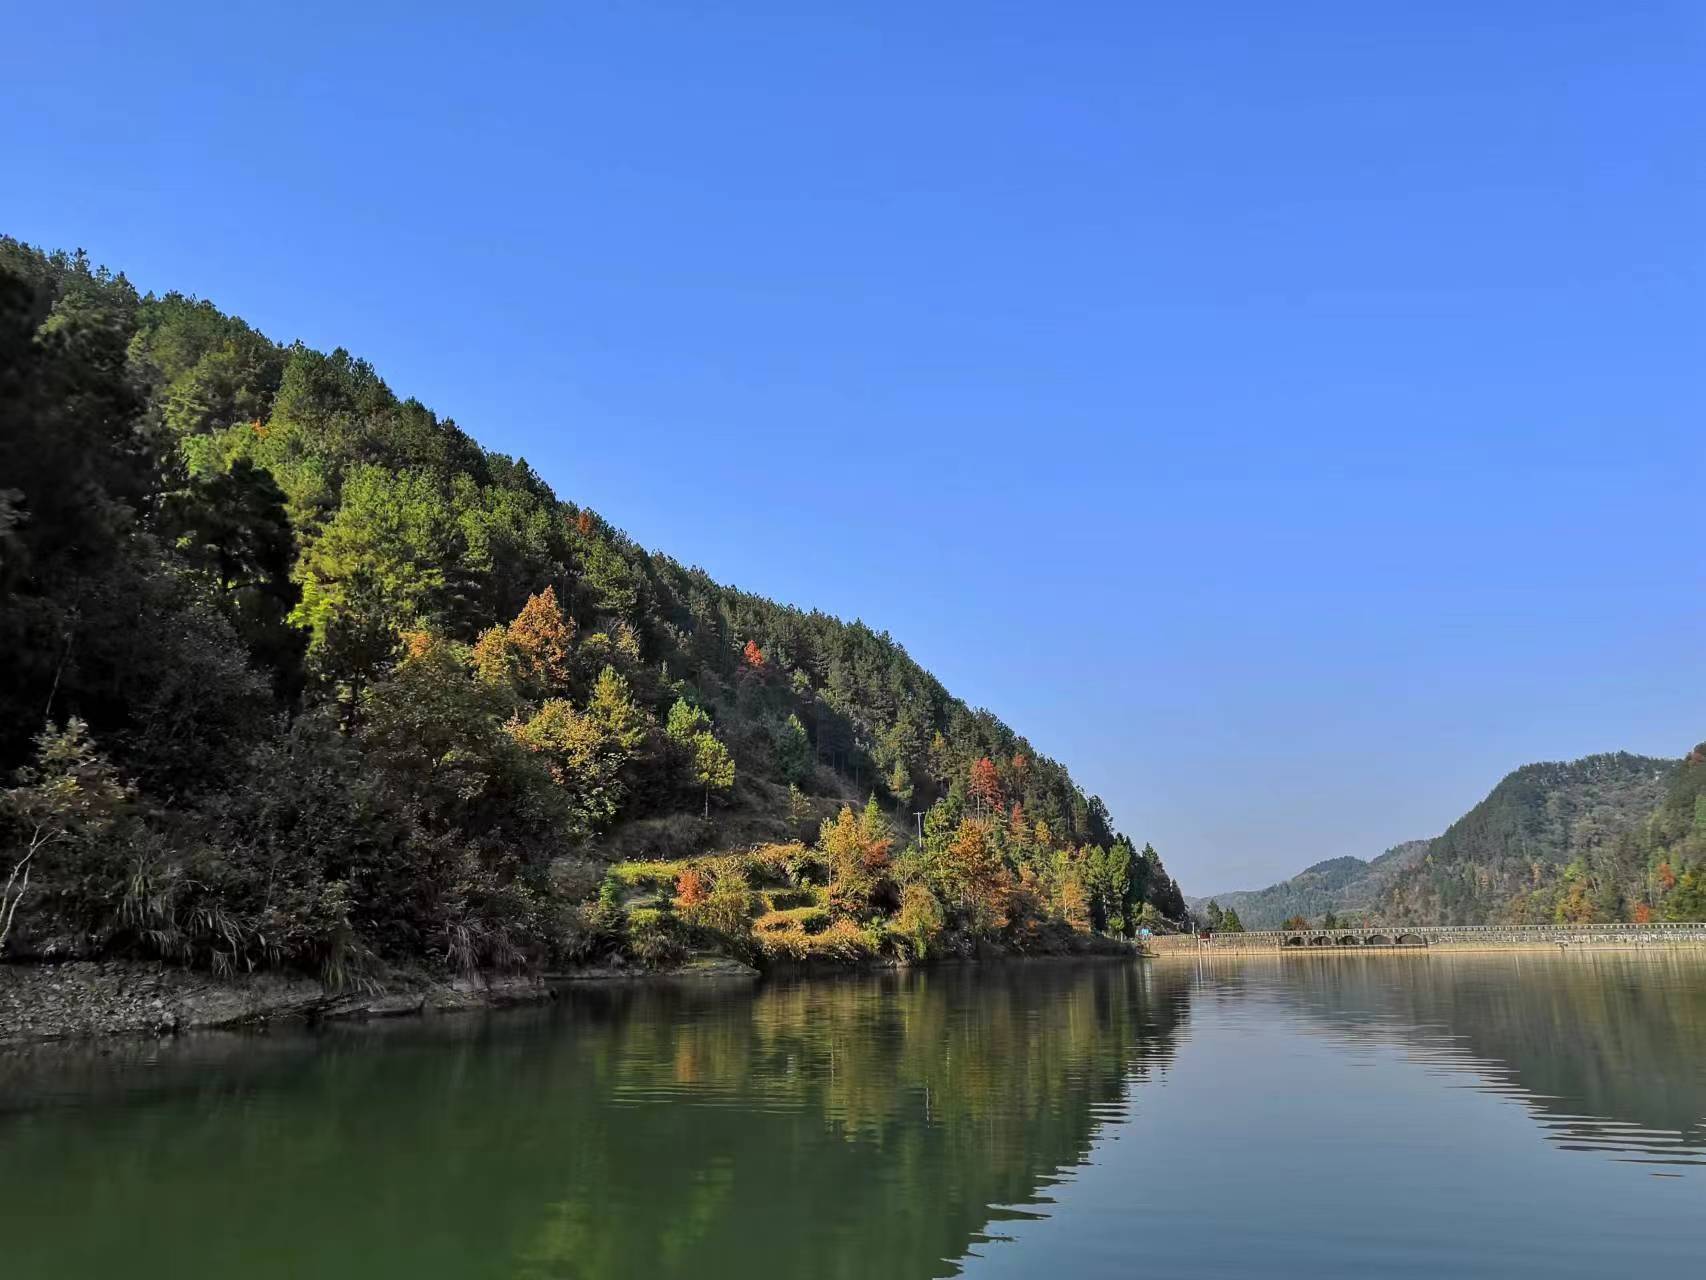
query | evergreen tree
(793,752)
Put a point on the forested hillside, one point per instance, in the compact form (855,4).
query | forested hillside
(1601,838)
(1605,838)
(298,674)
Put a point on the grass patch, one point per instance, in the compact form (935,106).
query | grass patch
(808,920)
(649,875)
(792,899)
(842,942)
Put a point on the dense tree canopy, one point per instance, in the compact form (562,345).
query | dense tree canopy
(373,694)
(1615,837)
(1584,841)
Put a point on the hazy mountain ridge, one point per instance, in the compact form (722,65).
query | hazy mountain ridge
(1345,886)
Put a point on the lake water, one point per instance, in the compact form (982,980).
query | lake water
(1394,1115)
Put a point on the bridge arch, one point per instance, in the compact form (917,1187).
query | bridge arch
(1349,940)
(1320,940)
(1412,940)
(1377,940)
(1294,940)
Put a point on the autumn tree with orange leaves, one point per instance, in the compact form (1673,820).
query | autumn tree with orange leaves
(1075,901)
(858,851)
(985,787)
(544,638)
(534,652)
(692,887)
(975,880)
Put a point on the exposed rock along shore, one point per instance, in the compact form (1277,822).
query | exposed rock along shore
(74,999)
(79,998)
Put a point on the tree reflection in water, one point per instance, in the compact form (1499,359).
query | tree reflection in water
(1606,1048)
(833,1128)
(854,1127)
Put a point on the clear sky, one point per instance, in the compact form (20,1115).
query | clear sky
(1288,415)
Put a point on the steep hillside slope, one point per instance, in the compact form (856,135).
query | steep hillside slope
(341,686)
(1608,837)
(1543,830)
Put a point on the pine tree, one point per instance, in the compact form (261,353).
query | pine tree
(793,752)
(900,786)
(713,767)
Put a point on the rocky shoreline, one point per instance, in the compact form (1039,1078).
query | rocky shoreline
(85,998)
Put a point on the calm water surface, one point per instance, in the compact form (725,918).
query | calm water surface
(1409,1115)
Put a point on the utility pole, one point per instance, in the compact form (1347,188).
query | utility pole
(919,814)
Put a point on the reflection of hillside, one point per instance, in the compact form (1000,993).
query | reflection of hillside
(913,1102)
(858,1127)
(1608,1050)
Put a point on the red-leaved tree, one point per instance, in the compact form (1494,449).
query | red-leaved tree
(985,786)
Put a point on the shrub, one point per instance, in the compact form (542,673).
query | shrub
(842,942)
(648,875)
(652,940)
(920,921)
(792,864)
(773,864)
(727,910)
(809,920)
(692,887)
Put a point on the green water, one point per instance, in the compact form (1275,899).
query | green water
(1501,1115)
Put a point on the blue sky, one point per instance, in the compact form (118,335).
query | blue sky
(1290,416)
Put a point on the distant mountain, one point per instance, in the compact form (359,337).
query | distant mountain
(1345,886)
(1606,837)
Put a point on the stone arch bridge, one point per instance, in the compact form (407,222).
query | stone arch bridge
(1466,937)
